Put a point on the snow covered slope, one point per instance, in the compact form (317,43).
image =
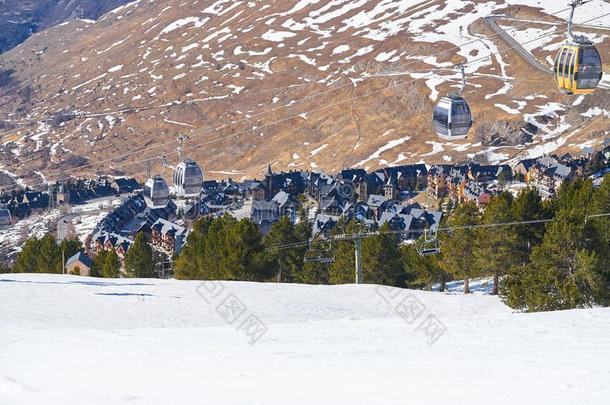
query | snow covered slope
(73,340)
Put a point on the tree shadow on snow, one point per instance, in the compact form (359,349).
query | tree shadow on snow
(91,283)
(127,294)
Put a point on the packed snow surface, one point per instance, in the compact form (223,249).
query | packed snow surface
(77,340)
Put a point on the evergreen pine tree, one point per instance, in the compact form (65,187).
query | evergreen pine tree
(216,250)
(459,246)
(423,272)
(70,247)
(286,263)
(313,273)
(244,257)
(496,246)
(563,273)
(27,258)
(600,204)
(343,268)
(112,265)
(48,258)
(4,268)
(527,206)
(190,264)
(565,270)
(139,258)
(98,264)
(382,260)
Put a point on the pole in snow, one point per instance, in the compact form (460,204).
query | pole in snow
(358,253)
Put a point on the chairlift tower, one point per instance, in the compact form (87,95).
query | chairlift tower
(357,238)
(51,197)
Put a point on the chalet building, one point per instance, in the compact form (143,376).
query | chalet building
(410,219)
(168,236)
(522,168)
(292,182)
(324,223)
(375,202)
(488,173)
(476,193)
(103,240)
(134,216)
(437,180)
(332,205)
(374,184)
(262,213)
(216,203)
(287,205)
(548,174)
(407,177)
(456,183)
(230,188)
(122,247)
(79,264)
(319,185)
(124,185)
(359,211)
(256,191)
(358,178)
(396,222)
(209,186)
(84,190)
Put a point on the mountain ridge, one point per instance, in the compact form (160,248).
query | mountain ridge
(21,18)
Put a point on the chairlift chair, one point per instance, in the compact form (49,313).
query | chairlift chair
(430,245)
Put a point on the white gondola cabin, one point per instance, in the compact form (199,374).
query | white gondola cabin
(188,179)
(156,192)
(452,117)
(6,220)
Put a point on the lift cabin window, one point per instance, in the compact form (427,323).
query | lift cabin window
(461,118)
(441,119)
(561,59)
(193,173)
(570,65)
(589,68)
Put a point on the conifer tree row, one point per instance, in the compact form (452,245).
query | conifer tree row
(559,263)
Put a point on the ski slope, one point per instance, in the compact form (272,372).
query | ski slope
(76,340)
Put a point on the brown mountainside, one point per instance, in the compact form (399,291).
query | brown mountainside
(298,84)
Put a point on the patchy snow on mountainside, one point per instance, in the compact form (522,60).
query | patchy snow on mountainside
(339,73)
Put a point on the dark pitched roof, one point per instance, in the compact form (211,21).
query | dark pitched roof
(352,174)
(127,184)
(81,257)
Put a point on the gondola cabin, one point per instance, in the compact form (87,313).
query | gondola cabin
(6,219)
(578,67)
(452,117)
(188,179)
(156,192)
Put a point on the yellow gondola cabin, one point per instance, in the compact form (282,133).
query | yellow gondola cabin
(578,67)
